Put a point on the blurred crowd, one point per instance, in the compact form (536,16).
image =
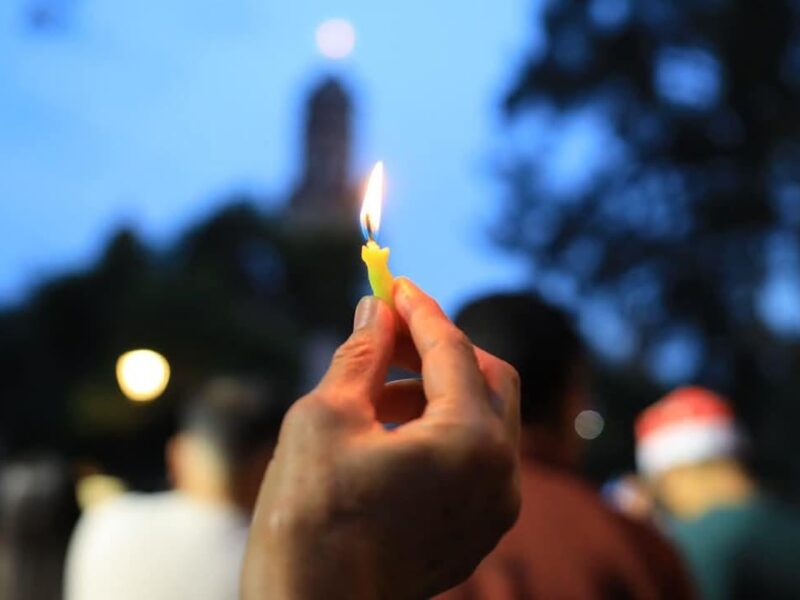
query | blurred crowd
(693,520)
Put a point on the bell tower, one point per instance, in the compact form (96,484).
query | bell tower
(324,193)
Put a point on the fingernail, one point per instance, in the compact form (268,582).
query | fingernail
(365,312)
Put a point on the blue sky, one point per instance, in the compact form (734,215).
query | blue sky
(148,113)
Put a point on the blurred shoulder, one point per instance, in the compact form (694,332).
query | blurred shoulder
(574,515)
(561,491)
(121,517)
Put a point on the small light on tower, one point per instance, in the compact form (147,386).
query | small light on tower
(336,38)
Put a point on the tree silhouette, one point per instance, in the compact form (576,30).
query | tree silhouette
(238,293)
(245,291)
(693,204)
(702,100)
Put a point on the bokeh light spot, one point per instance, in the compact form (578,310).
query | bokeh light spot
(589,424)
(336,38)
(142,374)
(688,77)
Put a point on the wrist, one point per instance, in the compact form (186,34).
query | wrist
(293,556)
(274,562)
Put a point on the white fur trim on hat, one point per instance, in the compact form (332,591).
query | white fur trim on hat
(686,443)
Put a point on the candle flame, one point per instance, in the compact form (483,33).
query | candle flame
(371,206)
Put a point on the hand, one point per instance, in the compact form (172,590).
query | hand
(349,509)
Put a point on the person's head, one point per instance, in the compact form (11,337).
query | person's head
(541,343)
(688,449)
(38,510)
(225,440)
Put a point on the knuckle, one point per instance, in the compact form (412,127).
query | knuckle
(506,373)
(295,414)
(424,306)
(455,339)
(496,458)
(426,450)
(356,354)
(312,413)
(483,447)
(512,375)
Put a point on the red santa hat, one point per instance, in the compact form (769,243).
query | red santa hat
(689,425)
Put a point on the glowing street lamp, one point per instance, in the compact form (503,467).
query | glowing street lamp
(142,374)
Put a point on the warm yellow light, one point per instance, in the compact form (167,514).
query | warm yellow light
(372,204)
(142,374)
(336,38)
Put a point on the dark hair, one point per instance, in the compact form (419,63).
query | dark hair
(38,511)
(238,416)
(537,339)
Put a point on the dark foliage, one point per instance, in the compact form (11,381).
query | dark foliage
(238,294)
(700,183)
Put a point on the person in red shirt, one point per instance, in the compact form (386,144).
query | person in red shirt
(567,543)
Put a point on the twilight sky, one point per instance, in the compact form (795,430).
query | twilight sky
(148,113)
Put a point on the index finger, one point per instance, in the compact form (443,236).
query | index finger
(504,385)
(451,377)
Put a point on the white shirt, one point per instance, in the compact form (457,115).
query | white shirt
(156,547)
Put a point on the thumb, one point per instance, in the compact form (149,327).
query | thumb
(358,369)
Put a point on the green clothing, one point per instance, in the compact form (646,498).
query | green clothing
(750,550)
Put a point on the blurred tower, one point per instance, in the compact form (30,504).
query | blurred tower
(322,218)
(324,195)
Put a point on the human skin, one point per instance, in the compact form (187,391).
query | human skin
(349,509)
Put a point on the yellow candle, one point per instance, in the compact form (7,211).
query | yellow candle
(375,257)
(380,277)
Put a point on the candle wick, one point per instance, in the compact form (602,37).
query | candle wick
(370,233)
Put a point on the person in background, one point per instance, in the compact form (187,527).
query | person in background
(38,511)
(567,542)
(189,542)
(737,541)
